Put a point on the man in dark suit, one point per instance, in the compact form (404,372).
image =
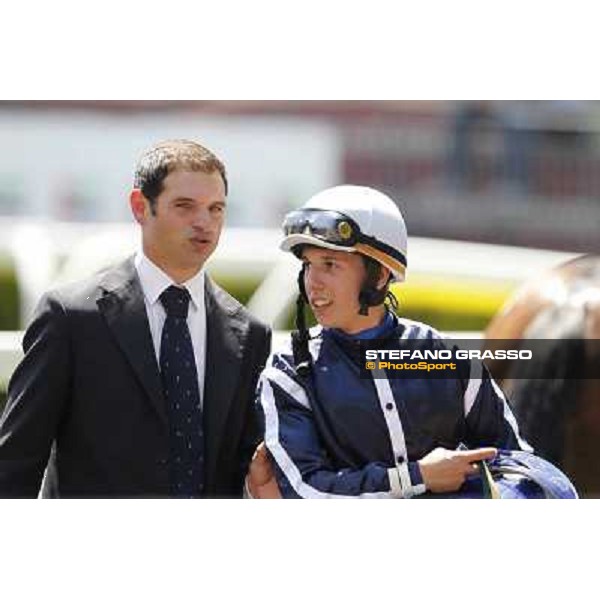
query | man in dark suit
(141,379)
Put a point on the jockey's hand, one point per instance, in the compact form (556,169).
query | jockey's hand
(446,470)
(261,478)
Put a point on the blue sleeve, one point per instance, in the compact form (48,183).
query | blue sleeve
(490,421)
(302,466)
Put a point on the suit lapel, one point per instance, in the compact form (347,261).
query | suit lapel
(125,312)
(226,337)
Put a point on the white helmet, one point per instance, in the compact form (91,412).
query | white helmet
(351,218)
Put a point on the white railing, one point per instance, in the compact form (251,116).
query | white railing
(66,252)
(11,352)
(86,248)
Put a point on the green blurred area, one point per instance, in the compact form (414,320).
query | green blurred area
(9,295)
(447,322)
(240,287)
(439,317)
(446,306)
(9,307)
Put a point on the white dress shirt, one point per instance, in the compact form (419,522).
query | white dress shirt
(154,282)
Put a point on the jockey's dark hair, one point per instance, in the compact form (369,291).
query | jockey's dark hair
(369,295)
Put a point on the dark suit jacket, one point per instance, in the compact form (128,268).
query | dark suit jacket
(90,381)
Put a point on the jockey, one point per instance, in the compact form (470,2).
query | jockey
(331,429)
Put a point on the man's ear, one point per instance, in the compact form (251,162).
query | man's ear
(139,205)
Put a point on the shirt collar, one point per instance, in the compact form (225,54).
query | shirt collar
(155,281)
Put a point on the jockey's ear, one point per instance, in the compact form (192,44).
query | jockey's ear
(384,277)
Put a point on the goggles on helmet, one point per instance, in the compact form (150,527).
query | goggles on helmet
(334,228)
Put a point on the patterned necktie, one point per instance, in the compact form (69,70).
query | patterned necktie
(180,386)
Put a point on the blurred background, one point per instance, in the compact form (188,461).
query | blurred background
(493,193)
(522,172)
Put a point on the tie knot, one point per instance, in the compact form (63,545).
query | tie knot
(175,301)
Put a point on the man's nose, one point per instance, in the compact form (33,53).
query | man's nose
(202,220)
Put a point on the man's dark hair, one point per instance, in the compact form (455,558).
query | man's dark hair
(163,158)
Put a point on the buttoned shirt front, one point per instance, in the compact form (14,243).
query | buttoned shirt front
(154,282)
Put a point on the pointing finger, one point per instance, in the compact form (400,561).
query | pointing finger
(479,454)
